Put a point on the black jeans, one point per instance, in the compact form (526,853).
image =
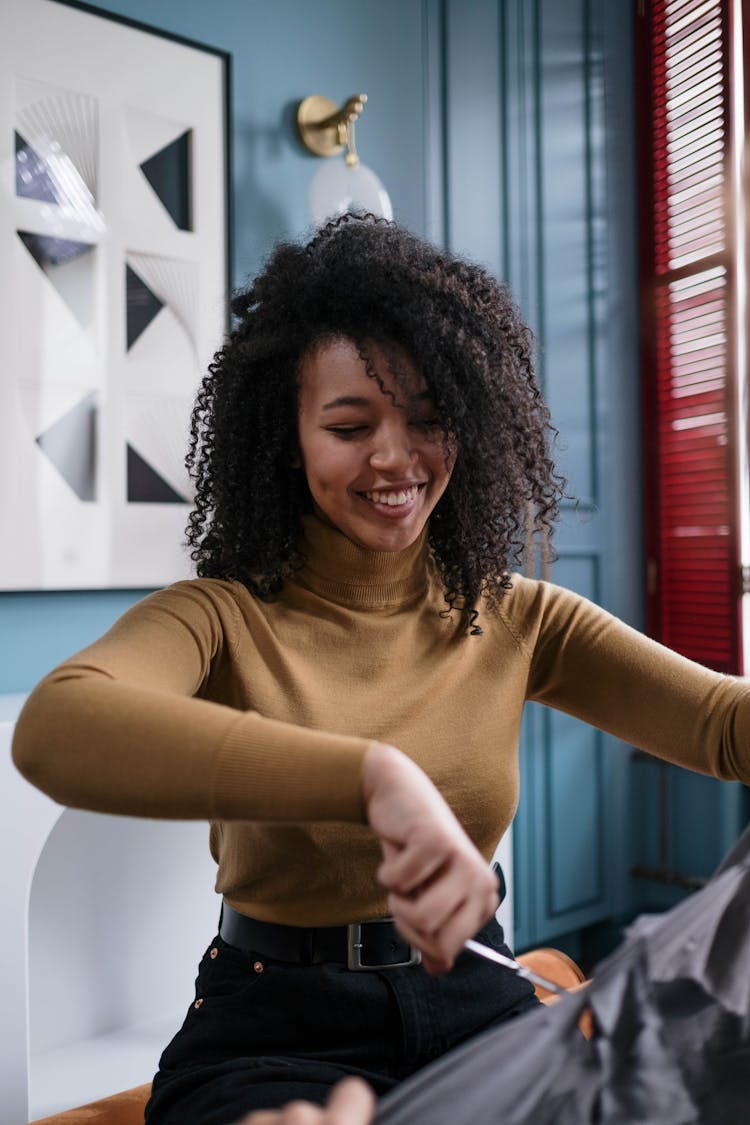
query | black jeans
(261,1033)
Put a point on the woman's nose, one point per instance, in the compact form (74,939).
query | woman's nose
(393,447)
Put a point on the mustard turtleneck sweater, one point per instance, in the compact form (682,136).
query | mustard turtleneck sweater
(203,701)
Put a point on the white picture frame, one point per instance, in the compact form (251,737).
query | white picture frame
(114,266)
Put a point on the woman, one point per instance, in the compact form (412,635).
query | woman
(340,691)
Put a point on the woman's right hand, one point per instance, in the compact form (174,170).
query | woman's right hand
(440,888)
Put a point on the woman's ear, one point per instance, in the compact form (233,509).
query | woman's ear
(295,461)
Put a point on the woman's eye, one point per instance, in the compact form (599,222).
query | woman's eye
(426,423)
(346,432)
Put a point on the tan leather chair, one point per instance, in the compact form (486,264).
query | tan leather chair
(126,1108)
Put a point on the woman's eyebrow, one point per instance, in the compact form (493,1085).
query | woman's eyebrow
(360,400)
(346,400)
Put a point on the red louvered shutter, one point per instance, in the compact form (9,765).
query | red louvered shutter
(687,317)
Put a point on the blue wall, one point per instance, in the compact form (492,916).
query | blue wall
(540,183)
(281,51)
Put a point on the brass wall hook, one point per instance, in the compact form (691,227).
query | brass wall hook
(324,129)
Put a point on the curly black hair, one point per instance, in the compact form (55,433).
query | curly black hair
(372,281)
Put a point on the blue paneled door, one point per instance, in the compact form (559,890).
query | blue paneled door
(535,90)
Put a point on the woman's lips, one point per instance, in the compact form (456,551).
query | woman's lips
(393,502)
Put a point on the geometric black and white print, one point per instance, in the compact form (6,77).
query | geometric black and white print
(56,144)
(68,264)
(50,250)
(162,148)
(156,429)
(169,173)
(141,305)
(145,485)
(34,179)
(114,290)
(172,282)
(70,445)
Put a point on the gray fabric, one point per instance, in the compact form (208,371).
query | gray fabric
(671,1042)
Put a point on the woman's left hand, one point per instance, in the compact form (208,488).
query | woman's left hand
(351,1102)
(440,888)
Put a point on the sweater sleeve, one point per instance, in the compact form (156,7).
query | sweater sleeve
(588,663)
(121,728)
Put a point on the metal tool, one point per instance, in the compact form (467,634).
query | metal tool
(509,963)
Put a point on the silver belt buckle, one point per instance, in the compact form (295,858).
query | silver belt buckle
(354,950)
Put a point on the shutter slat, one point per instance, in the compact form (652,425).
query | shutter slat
(688,383)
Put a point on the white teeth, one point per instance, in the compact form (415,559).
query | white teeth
(393,499)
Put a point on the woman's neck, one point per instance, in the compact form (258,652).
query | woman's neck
(342,571)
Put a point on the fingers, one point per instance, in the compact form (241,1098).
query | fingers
(301,1113)
(296,1113)
(412,867)
(433,960)
(438,917)
(440,947)
(451,867)
(351,1102)
(428,911)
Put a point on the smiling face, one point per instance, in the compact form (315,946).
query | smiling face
(375,462)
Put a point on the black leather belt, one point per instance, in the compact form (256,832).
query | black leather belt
(360,945)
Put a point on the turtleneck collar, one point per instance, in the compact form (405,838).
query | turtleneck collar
(343,572)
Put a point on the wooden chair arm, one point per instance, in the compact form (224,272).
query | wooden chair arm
(125,1108)
(557,967)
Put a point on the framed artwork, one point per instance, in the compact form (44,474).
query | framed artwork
(114,267)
